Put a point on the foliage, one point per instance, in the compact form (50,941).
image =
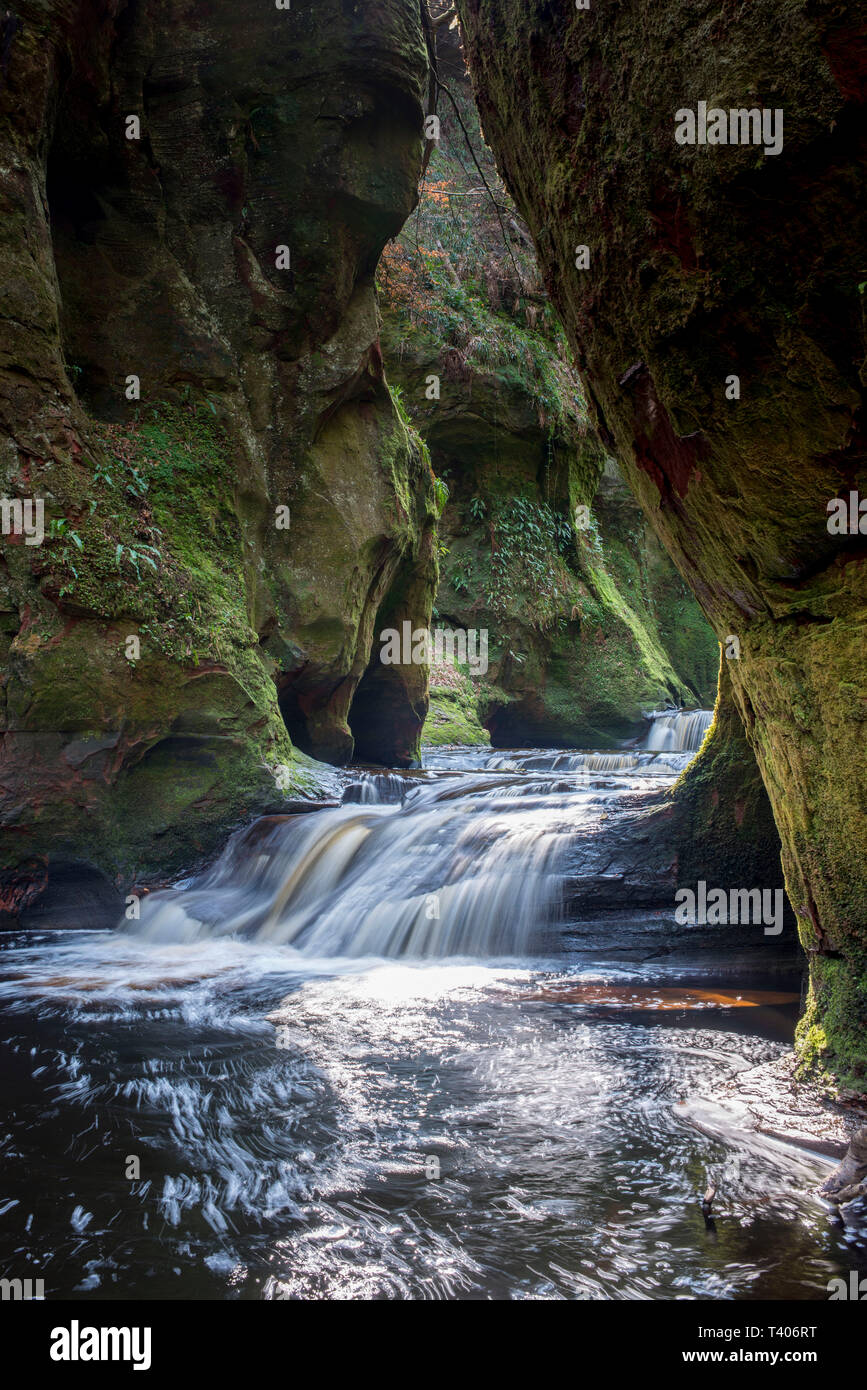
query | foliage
(157,540)
(441,493)
(440,487)
(527,540)
(453,277)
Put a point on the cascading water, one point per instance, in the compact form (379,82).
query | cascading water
(290,1040)
(459,868)
(378,789)
(466,864)
(682,731)
(631,760)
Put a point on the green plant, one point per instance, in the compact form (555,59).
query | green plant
(441,494)
(400,407)
(463,575)
(529,543)
(143,553)
(60,529)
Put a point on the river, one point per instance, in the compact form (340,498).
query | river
(372,1055)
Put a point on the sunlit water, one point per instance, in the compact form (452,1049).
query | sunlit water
(292,1051)
(679,731)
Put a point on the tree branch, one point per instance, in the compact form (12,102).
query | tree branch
(441,87)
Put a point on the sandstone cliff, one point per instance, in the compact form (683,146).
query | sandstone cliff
(191,381)
(704,263)
(588,626)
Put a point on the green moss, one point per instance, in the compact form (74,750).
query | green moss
(160,541)
(192,719)
(453,717)
(831,1038)
(728,832)
(698,272)
(580,649)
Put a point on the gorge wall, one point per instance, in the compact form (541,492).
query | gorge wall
(705,262)
(588,625)
(191,381)
(194,378)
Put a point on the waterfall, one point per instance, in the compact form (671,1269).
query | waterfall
(635,760)
(680,731)
(378,789)
(449,861)
(603,762)
(456,870)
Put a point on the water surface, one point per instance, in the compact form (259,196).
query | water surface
(294,1048)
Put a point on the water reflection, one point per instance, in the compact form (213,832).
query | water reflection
(285,1093)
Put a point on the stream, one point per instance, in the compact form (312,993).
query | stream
(370,1054)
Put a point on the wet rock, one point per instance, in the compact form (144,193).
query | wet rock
(849,1181)
(190,378)
(769,1102)
(704,264)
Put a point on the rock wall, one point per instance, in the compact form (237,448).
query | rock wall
(706,262)
(192,205)
(587,628)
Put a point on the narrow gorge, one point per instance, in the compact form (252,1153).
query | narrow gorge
(431,793)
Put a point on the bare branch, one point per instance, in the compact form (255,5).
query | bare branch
(441,86)
(444,18)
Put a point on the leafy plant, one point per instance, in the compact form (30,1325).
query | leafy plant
(441,493)
(399,405)
(463,575)
(60,529)
(529,541)
(143,553)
